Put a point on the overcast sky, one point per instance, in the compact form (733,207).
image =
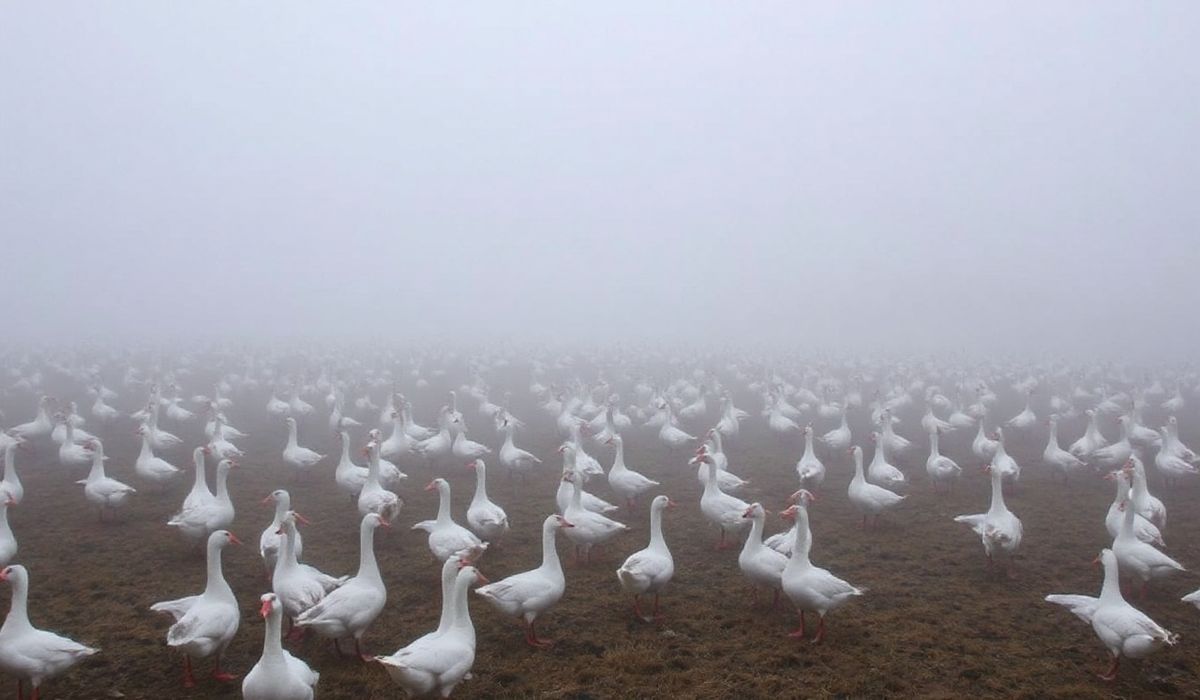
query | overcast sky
(992,176)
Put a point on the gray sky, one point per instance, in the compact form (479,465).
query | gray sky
(1021,176)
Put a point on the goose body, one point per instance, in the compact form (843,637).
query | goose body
(485,518)
(809,587)
(297,457)
(446,537)
(810,470)
(625,482)
(589,527)
(939,468)
(649,570)
(199,520)
(531,593)
(1000,531)
(101,490)
(277,675)
(719,508)
(870,499)
(27,653)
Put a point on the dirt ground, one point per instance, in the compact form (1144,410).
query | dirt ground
(934,623)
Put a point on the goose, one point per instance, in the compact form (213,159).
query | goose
(435,666)
(278,675)
(178,413)
(389,474)
(102,412)
(219,444)
(939,468)
(562,498)
(867,497)
(809,469)
(1124,629)
(1003,462)
(416,431)
(930,422)
(1058,459)
(838,439)
(672,436)
(398,445)
(586,465)
(450,569)
(484,517)
(530,593)
(811,588)
(11,483)
(1115,455)
(337,417)
(8,541)
(297,405)
(1139,435)
(72,453)
(446,536)
(998,528)
(513,458)
(1144,502)
(893,445)
(1193,598)
(199,493)
(1091,440)
(983,447)
(349,609)
(590,528)
(1143,529)
(782,541)
(40,426)
(101,490)
(625,482)
(373,497)
(1026,419)
(1170,464)
(299,586)
(199,520)
(271,540)
(881,471)
(205,624)
(760,564)
(779,423)
(159,438)
(464,448)
(298,458)
(437,446)
(218,425)
(730,424)
(27,653)
(721,509)
(1174,445)
(277,406)
(69,428)
(347,475)
(727,480)
(649,570)
(1137,559)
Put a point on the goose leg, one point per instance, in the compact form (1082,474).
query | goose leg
(189,681)
(775,599)
(358,648)
(1111,673)
(220,675)
(337,647)
(820,631)
(637,607)
(656,614)
(798,633)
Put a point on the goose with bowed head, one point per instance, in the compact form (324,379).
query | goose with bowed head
(278,675)
(809,587)
(349,609)
(27,653)
(529,594)
(999,529)
(101,490)
(205,624)
(1123,629)
(649,570)
(446,536)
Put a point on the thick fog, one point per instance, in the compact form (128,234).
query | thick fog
(929,176)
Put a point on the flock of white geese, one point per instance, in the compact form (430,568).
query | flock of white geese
(594,403)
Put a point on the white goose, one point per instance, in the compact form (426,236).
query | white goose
(199,493)
(484,517)
(373,497)
(867,497)
(154,469)
(278,675)
(465,448)
(998,528)
(26,652)
(446,536)
(8,541)
(347,475)
(199,520)
(219,443)
(1122,628)
(1169,462)
(11,484)
(721,509)
(983,447)
(529,594)
(1145,530)
(590,528)
(649,570)
(437,665)
(1026,419)
(40,426)
(782,541)
(809,469)
(562,498)
(1091,440)
(760,564)
(881,471)
(271,540)
(350,609)
(101,490)
(299,586)
(513,458)
(205,623)
(940,468)
(727,480)
(1115,455)
(811,588)
(1058,459)
(298,458)
(71,453)
(838,439)
(1144,502)
(1137,559)
(672,436)
(625,482)
(1003,462)
(398,445)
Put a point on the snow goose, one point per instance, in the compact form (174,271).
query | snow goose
(398,445)
(1122,628)
(727,480)
(11,484)
(625,482)
(206,623)
(590,528)
(418,432)
(373,497)
(1170,464)
(101,490)
(199,520)
(438,445)
(102,412)
(69,427)
(1115,455)
(445,536)
(983,447)
(562,498)
(347,475)
(484,517)
(513,458)
(219,444)
(939,468)
(838,439)
(1090,441)
(1144,502)
(867,497)
(760,564)
(1058,459)
(299,586)
(1003,462)
(71,453)
(649,570)
(1137,559)
(8,541)
(1145,530)
(529,594)
(998,528)
(301,459)
(721,509)
(437,665)
(894,445)
(26,652)
(159,438)
(1174,445)
(809,469)
(1026,419)
(271,540)
(464,448)
(782,541)
(199,493)
(811,588)
(880,471)
(40,426)
(350,609)
(671,435)
(278,675)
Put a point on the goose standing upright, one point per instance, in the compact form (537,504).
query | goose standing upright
(810,469)
(867,497)
(649,570)
(373,497)
(721,509)
(838,439)
(154,469)
(589,528)
(939,468)
(101,490)
(529,594)
(199,493)
(301,459)
(26,652)
(881,471)
(513,458)
(8,541)
(760,564)
(811,587)
(299,586)
(671,435)
(1091,440)
(199,520)
(1137,559)
(206,623)
(1143,529)
(1058,459)
(1144,502)
(446,536)
(1122,628)
(485,518)
(347,475)
(625,482)
(999,529)
(983,447)
(278,675)
(11,484)
(271,540)
(1115,455)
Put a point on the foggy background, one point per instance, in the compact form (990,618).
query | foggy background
(930,176)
